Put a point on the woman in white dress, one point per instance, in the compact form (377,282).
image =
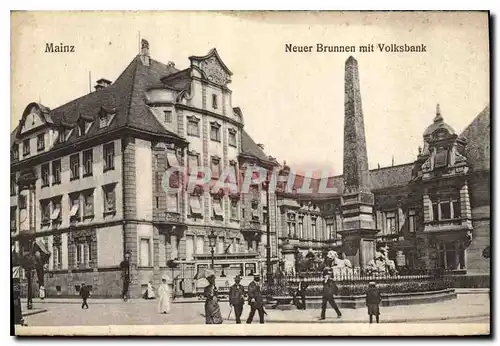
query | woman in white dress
(164,295)
(150,291)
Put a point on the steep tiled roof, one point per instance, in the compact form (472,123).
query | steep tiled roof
(250,148)
(125,95)
(391,176)
(477,150)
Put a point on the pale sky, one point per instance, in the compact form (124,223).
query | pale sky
(293,103)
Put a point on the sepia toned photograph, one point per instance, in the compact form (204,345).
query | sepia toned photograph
(237,173)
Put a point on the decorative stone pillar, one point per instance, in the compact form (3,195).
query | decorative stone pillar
(288,252)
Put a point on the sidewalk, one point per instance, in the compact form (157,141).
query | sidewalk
(144,312)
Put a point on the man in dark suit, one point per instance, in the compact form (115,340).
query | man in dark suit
(255,299)
(329,290)
(84,293)
(125,268)
(236,300)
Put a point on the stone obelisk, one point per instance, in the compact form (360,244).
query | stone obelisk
(358,226)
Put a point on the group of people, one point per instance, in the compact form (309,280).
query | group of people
(236,300)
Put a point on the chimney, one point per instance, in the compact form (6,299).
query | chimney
(260,145)
(102,83)
(145,52)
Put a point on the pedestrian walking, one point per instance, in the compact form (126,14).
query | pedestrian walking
(373,300)
(125,268)
(255,299)
(329,290)
(212,309)
(164,296)
(236,298)
(85,294)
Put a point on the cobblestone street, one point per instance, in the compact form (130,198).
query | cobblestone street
(473,308)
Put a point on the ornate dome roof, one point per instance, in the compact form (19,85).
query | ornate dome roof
(438,124)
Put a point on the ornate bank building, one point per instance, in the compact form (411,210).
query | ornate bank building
(87,188)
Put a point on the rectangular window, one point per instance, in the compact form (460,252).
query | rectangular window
(215,132)
(195,205)
(13,184)
(330,226)
(313,229)
(189,247)
(193,128)
(174,246)
(40,142)
(172,202)
(214,101)
(22,202)
(15,151)
(79,253)
(56,249)
(441,158)
(217,207)
(109,198)
(26,147)
(220,245)
(193,161)
(232,138)
(435,211)
(61,136)
(74,164)
(215,167)
(391,222)
(56,172)
(445,210)
(45,174)
(412,222)
(200,240)
(103,121)
(88,204)
(45,211)
(172,160)
(144,253)
(74,205)
(87,163)
(168,116)
(109,156)
(13,218)
(456,209)
(234,209)
(56,215)
(301,227)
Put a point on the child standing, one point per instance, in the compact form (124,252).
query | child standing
(373,300)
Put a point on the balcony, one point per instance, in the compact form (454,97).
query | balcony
(172,217)
(448,225)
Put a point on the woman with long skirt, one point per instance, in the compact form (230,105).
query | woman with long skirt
(164,295)
(212,310)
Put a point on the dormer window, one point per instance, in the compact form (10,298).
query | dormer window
(214,101)
(40,142)
(105,119)
(84,127)
(61,136)
(441,159)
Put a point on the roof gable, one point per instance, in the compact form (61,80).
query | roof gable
(477,150)
(35,116)
(212,67)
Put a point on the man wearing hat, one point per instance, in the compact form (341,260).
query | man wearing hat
(236,300)
(329,290)
(85,294)
(255,299)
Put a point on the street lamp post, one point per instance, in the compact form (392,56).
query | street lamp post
(211,239)
(269,273)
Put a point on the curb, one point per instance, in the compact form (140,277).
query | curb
(401,320)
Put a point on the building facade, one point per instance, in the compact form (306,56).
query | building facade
(88,185)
